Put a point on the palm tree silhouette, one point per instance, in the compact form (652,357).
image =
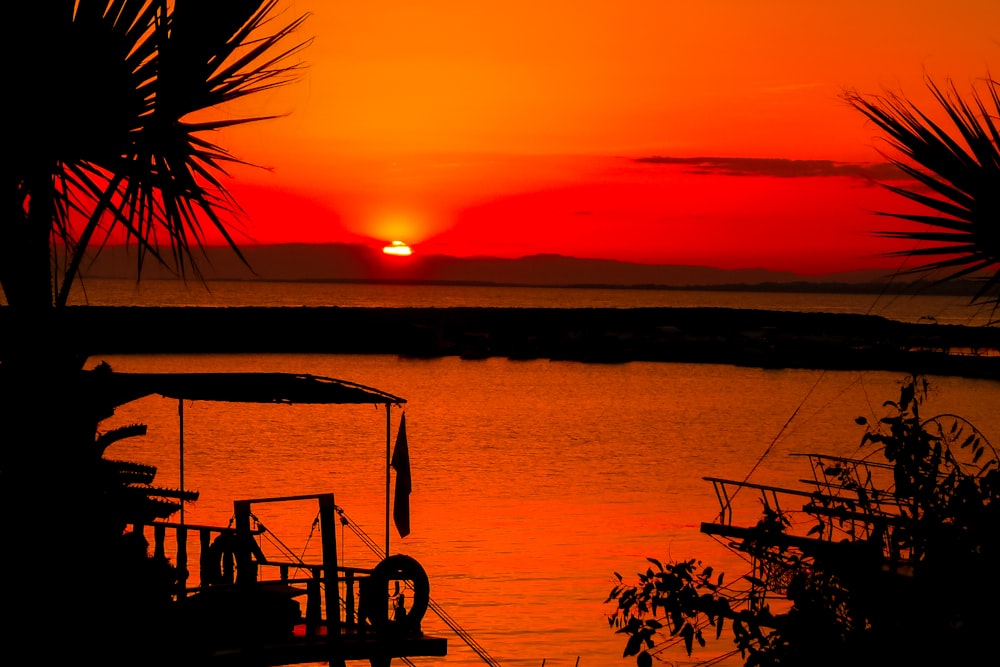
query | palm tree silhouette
(956,167)
(111,105)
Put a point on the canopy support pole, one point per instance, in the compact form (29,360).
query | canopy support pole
(180,414)
(388,460)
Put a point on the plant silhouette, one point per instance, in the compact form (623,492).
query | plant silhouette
(896,566)
(112,105)
(956,169)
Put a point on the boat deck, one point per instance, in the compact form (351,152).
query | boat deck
(352,645)
(234,615)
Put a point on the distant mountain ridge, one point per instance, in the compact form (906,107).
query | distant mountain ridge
(356,263)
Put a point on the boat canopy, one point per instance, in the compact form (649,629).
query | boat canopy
(241,388)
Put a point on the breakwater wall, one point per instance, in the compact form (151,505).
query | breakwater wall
(597,335)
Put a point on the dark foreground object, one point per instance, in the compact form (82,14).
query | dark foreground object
(744,337)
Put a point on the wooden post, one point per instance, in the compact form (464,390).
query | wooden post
(350,605)
(181,561)
(245,573)
(207,570)
(159,537)
(313,613)
(331,573)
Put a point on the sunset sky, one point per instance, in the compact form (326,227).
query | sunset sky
(654,131)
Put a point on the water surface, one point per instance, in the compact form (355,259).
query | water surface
(906,308)
(533,481)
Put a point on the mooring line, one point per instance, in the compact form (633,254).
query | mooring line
(462,633)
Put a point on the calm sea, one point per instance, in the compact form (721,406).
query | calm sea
(907,308)
(533,481)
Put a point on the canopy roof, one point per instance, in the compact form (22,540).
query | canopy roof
(242,388)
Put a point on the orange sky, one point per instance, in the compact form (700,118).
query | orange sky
(709,133)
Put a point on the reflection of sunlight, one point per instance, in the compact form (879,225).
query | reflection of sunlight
(398,248)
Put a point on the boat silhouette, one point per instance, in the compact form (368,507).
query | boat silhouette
(241,606)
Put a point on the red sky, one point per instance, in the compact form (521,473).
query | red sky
(708,133)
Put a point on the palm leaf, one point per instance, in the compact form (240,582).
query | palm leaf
(956,171)
(112,95)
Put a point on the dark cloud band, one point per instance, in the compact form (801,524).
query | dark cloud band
(777,167)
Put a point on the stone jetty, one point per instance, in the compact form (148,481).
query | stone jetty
(762,338)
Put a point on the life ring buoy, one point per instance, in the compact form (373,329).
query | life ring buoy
(398,567)
(219,564)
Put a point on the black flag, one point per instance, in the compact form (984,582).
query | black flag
(401,464)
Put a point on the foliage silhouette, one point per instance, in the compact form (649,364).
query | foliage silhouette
(115,101)
(910,577)
(957,172)
(898,567)
(109,121)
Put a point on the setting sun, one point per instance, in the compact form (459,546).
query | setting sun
(398,248)
(522,130)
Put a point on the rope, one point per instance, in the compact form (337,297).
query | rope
(285,550)
(775,439)
(378,551)
(434,606)
(275,540)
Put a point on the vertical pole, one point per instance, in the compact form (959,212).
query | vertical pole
(180,413)
(331,571)
(388,459)
(181,562)
(246,573)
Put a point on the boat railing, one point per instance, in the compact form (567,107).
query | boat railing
(828,511)
(843,502)
(770,497)
(229,558)
(240,604)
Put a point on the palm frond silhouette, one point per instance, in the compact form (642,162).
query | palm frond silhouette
(115,99)
(956,167)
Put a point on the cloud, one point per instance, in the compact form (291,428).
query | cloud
(777,167)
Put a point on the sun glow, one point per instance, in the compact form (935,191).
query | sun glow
(398,248)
